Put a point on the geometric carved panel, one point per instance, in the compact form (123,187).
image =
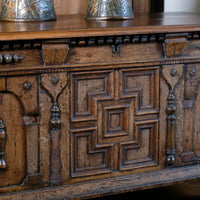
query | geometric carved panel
(119,104)
(143,84)
(115,119)
(88,158)
(143,151)
(86,89)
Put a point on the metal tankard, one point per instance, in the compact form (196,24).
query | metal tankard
(27,10)
(109,9)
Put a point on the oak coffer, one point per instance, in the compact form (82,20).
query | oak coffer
(89,108)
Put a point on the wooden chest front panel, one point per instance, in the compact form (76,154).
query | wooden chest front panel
(191,127)
(15,153)
(19,113)
(114,121)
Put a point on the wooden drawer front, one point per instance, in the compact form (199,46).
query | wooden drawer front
(19,116)
(20,58)
(114,121)
(106,54)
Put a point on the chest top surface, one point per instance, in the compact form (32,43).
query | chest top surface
(77,26)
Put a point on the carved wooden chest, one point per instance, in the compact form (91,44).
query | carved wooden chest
(92,108)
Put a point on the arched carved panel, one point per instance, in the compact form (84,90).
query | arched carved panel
(11,112)
(26,88)
(54,84)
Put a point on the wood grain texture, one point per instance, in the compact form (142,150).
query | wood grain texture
(127,52)
(54,85)
(54,54)
(11,112)
(112,147)
(191,102)
(27,96)
(76,26)
(172,74)
(175,44)
(111,185)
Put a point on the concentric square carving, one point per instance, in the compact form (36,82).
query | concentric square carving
(88,158)
(144,85)
(87,89)
(119,104)
(143,151)
(115,121)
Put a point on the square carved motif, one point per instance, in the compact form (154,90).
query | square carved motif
(111,112)
(115,121)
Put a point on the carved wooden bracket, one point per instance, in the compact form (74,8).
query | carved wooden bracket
(175,44)
(54,54)
(172,74)
(54,85)
(3,164)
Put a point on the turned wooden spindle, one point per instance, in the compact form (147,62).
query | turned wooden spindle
(171,109)
(10,58)
(3,164)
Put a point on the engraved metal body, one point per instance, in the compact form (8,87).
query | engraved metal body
(109,9)
(27,10)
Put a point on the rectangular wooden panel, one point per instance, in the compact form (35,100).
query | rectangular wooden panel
(122,137)
(15,147)
(106,54)
(191,147)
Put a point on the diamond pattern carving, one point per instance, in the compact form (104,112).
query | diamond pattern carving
(114,107)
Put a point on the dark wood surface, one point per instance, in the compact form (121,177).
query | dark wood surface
(77,26)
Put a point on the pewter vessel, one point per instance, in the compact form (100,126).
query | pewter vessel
(109,9)
(27,10)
